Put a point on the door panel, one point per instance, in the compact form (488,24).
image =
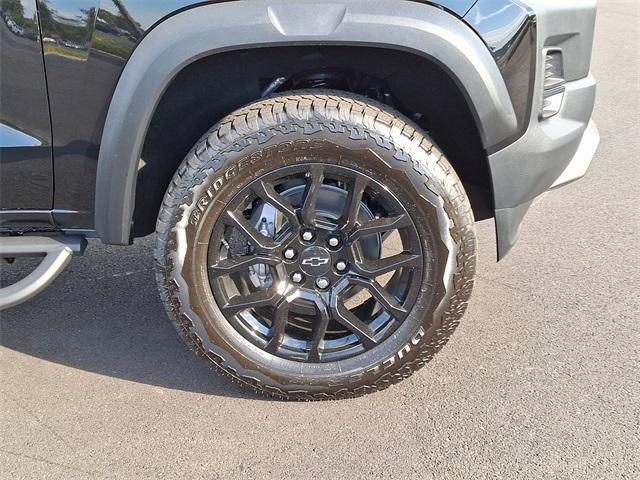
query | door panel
(26,167)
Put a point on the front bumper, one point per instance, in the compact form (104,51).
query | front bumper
(552,152)
(557,150)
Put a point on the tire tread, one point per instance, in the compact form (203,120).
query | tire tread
(305,105)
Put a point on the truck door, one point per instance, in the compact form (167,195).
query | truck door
(26,167)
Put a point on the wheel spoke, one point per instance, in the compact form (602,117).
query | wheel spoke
(348,319)
(261,243)
(262,298)
(388,301)
(235,264)
(319,330)
(375,268)
(311,193)
(276,332)
(350,216)
(380,225)
(267,193)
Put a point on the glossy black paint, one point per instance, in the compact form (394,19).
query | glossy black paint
(509,30)
(82,65)
(26,172)
(459,7)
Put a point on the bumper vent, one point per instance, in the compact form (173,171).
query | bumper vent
(554,82)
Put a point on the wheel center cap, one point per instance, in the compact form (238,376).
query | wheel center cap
(315,261)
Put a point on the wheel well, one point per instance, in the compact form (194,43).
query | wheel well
(212,87)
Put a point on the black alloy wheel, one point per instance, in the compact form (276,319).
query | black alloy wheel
(309,242)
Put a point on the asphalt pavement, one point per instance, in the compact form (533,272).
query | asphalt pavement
(540,381)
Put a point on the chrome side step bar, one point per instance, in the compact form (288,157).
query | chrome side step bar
(57,252)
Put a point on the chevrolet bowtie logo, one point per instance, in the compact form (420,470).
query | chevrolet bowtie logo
(315,261)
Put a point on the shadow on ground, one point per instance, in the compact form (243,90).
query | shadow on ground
(104,315)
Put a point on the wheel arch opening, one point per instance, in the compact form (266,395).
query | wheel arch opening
(208,89)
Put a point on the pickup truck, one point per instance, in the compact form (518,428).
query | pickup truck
(312,171)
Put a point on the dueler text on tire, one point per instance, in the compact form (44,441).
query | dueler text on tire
(315,245)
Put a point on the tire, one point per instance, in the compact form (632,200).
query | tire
(296,341)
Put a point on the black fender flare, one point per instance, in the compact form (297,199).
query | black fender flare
(209,29)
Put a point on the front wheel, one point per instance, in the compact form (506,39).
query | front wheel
(315,246)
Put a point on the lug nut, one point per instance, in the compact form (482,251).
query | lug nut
(333,241)
(307,235)
(322,283)
(289,253)
(341,265)
(297,277)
